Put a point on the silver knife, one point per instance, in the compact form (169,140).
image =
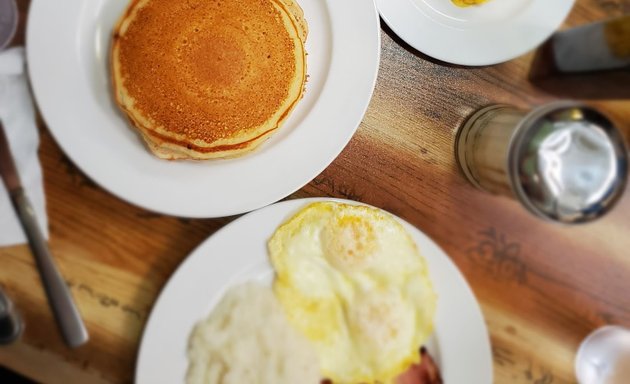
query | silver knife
(65,311)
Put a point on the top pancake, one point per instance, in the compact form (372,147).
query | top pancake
(204,79)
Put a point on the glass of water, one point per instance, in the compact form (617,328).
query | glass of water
(604,357)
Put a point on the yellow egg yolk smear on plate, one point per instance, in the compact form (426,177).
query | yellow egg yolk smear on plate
(352,280)
(467,3)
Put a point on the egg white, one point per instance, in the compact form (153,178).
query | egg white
(351,279)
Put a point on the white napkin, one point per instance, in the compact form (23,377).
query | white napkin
(18,117)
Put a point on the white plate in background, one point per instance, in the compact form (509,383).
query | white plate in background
(490,33)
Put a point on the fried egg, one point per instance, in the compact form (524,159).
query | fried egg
(350,278)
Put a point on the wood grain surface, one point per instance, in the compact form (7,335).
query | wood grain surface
(542,287)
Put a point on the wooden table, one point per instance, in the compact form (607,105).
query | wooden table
(542,287)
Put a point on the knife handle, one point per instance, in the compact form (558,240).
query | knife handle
(65,311)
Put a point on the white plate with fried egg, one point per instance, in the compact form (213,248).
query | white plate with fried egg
(239,253)
(484,33)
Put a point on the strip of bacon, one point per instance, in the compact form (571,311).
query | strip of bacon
(427,372)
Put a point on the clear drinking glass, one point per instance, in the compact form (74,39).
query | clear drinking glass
(484,145)
(563,161)
(604,357)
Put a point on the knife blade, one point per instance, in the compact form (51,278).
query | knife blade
(64,309)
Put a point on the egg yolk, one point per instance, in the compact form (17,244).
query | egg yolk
(350,244)
(467,3)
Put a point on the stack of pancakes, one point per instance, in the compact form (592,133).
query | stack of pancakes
(204,79)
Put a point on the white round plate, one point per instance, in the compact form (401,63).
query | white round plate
(238,253)
(486,34)
(68,48)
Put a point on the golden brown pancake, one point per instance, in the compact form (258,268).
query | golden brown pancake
(206,79)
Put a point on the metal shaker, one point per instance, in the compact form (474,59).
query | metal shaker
(591,61)
(564,161)
(10,322)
